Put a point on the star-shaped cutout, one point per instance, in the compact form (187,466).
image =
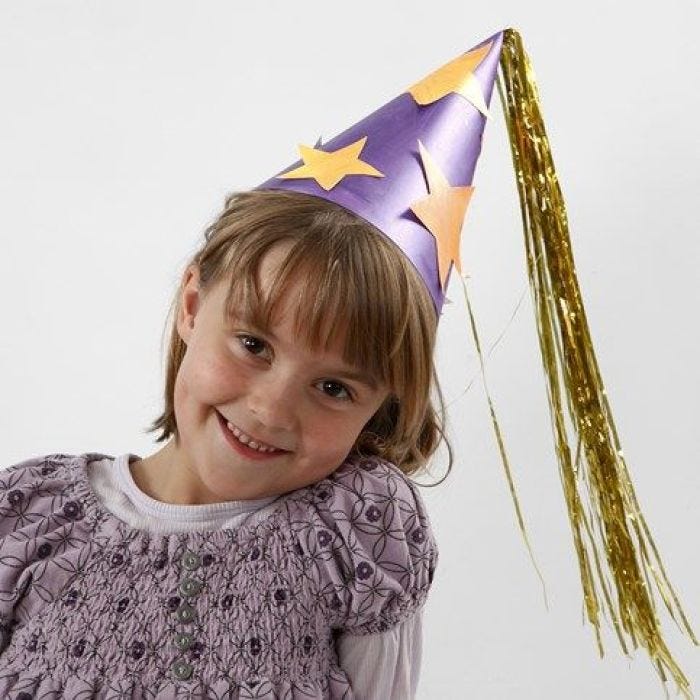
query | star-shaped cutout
(328,168)
(442,213)
(455,76)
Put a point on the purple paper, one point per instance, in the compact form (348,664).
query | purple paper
(450,128)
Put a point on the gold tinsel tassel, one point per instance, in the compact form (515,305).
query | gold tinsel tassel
(567,351)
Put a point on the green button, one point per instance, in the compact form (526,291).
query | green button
(190,587)
(183,641)
(181,670)
(185,613)
(190,560)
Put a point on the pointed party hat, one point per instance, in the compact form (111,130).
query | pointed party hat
(408,169)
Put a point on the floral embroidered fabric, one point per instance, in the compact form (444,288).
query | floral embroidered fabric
(91,607)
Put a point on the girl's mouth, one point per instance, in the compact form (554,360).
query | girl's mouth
(241,447)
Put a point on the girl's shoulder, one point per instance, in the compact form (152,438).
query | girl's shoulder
(367,487)
(367,530)
(41,486)
(32,480)
(47,466)
(44,526)
(42,494)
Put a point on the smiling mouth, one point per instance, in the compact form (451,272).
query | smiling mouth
(242,446)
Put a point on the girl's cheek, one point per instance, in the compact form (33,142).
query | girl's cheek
(216,374)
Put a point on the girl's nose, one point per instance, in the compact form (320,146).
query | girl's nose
(272,401)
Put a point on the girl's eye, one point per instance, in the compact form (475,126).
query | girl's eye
(250,342)
(347,397)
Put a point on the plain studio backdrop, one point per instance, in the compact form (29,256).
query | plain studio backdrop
(123,126)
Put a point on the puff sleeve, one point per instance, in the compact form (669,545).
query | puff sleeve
(13,580)
(367,533)
(41,538)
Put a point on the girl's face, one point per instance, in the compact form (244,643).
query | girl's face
(270,388)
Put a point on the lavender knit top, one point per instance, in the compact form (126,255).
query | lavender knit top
(92,607)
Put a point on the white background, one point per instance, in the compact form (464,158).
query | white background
(123,125)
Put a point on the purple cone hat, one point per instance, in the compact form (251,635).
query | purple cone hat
(408,167)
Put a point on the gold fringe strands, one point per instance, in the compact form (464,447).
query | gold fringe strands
(596,466)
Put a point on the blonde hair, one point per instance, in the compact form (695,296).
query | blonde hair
(351,272)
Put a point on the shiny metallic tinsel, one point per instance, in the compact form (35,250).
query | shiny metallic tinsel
(622,539)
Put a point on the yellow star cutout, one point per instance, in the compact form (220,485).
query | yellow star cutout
(442,213)
(328,168)
(455,76)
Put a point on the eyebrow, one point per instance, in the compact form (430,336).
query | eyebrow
(349,373)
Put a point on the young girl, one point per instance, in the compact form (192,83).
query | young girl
(275,546)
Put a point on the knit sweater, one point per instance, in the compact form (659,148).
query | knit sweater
(91,606)
(382,665)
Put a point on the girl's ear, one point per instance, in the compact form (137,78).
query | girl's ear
(189,302)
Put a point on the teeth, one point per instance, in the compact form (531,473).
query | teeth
(249,441)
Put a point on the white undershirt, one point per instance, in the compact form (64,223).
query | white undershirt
(383,666)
